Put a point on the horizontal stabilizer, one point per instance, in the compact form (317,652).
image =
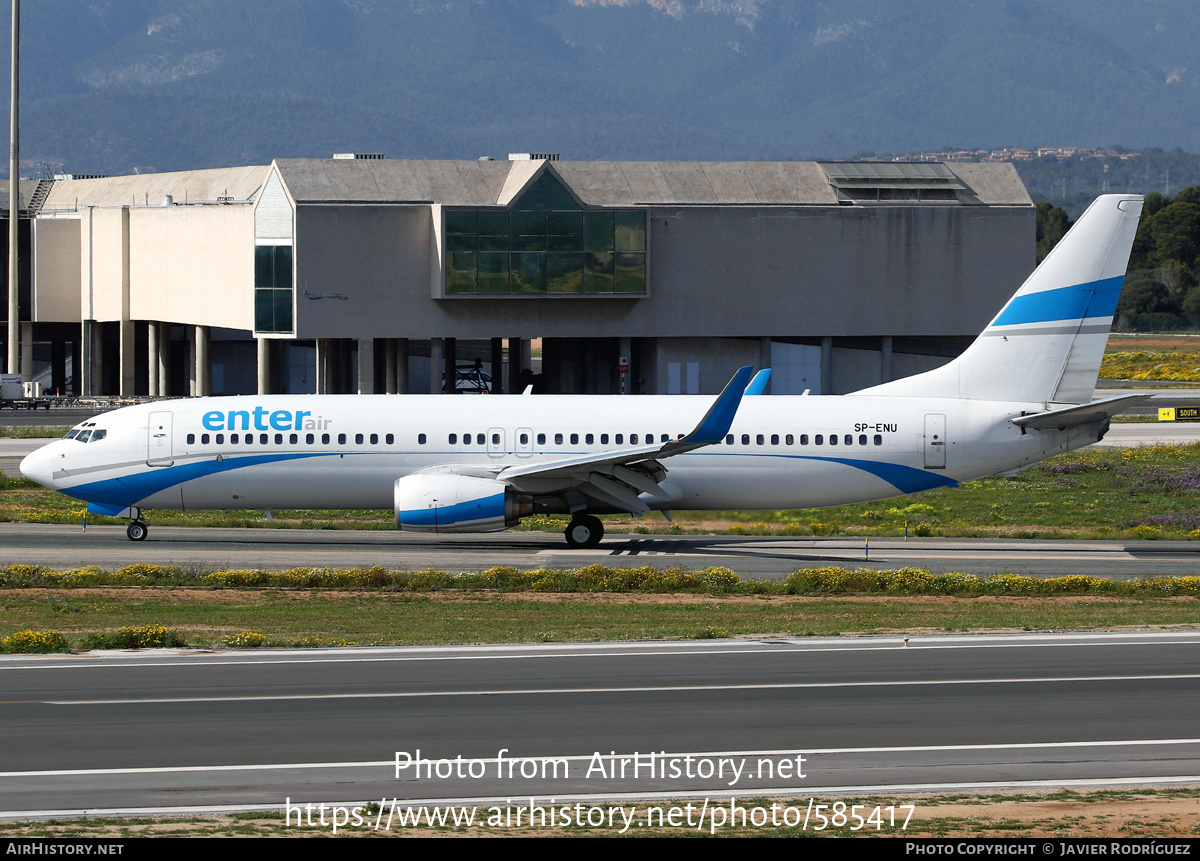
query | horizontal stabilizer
(1080,415)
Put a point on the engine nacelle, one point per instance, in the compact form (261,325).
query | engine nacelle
(445,502)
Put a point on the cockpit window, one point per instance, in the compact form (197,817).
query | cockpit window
(98,435)
(72,433)
(83,436)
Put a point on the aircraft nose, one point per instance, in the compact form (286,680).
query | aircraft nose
(37,467)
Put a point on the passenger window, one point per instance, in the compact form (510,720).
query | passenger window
(558,439)
(203,438)
(309,439)
(278,439)
(358,439)
(220,439)
(390,439)
(789,440)
(603,439)
(728,439)
(495,439)
(833,439)
(848,439)
(619,439)
(420,439)
(759,439)
(541,439)
(374,439)
(878,439)
(820,440)
(341,439)
(589,439)
(262,438)
(233,438)
(524,436)
(293,438)
(479,438)
(633,439)
(862,440)
(774,439)
(574,439)
(453,439)
(191,438)
(745,439)
(803,439)
(324,439)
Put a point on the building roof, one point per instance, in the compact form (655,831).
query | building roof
(26,189)
(497,183)
(607,183)
(232,183)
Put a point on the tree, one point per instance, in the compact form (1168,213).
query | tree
(1052,223)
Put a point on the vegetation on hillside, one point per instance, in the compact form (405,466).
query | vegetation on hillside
(1162,288)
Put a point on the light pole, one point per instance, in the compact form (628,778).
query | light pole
(14,201)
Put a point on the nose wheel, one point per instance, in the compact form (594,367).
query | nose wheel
(584,531)
(138,530)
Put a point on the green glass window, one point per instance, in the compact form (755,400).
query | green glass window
(545,244)
(546,193)
(273,288)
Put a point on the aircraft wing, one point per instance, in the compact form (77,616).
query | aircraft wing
(1079,415)
(617,477)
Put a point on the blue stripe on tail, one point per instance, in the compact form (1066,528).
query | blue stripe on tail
(1093,299)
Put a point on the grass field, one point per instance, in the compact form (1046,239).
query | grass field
(1152,358)
(207,618)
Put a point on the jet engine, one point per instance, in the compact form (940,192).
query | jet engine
(447,502)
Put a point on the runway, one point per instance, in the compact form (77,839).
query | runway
(173,731)
(752,557)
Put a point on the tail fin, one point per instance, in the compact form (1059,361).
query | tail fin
(1045,346)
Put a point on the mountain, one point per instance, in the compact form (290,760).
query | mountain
(113,85)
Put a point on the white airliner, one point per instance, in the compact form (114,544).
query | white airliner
(1020,393)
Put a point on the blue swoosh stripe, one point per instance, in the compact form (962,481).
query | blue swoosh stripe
(1093,299)
(130,489)
(906,479)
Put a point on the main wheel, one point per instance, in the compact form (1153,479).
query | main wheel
(137,531)
(584,531)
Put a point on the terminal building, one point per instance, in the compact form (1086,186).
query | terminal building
(388,275)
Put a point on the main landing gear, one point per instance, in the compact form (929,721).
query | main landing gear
(584,531)
(138,530)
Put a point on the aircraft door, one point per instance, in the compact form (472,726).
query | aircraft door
(159,450)
(935,441)
(524,442)
(495,442)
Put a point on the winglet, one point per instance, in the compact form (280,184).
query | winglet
(719,418)
(759,384)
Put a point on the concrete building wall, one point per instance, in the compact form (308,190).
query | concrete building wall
(102,264)
(193,264)
(713,272)
(364,272)
(849,271)
(273,214)
(684,366)
(56,271)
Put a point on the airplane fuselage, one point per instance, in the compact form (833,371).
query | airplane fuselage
(347,451)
